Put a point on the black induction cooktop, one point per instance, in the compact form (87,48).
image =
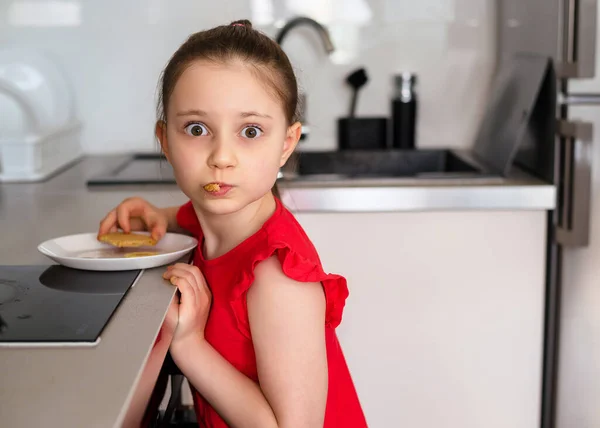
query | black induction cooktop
(55,305)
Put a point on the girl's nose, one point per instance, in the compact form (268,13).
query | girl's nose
(222,154)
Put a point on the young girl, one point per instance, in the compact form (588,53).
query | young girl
(257,315)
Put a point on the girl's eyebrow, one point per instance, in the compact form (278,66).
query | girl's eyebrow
(253,113)
(192,113)
(243,114)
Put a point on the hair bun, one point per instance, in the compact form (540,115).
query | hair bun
(242,23)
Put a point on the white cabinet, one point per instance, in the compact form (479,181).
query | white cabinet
(444,323)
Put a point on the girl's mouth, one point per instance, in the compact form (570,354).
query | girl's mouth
(217,189)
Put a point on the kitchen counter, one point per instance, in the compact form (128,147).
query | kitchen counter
(427,192)
(106,386)
(340,193)
(394,195)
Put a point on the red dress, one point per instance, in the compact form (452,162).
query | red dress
(228,331)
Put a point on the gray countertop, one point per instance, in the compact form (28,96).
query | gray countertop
(104,386)
(107,385)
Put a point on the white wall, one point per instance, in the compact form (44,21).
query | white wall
(113,52)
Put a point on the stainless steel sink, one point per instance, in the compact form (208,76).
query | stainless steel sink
(381,163)
(150,168)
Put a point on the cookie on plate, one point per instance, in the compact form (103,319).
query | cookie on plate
(120,239)
(141,254)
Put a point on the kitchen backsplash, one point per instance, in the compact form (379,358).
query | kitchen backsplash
(113,51)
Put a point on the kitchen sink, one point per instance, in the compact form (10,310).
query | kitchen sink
(429,163)
(150,168)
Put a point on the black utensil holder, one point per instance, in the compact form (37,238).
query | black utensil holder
(362,133)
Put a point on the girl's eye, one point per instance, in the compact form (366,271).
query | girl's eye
(251,132)
(196,130)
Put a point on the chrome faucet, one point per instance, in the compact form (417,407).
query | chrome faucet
(327,44)
(321,30)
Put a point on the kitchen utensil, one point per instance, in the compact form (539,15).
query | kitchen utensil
(357,79)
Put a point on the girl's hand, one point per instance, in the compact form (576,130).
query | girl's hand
(194,302)
(136,214)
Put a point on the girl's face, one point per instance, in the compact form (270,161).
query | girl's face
(224,125)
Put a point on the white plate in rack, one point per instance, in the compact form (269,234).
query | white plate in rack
(84,251)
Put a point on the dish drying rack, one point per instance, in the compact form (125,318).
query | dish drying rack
(39,133)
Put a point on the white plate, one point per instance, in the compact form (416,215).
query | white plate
(84,251)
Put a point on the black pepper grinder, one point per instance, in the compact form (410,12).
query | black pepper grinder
(404,111)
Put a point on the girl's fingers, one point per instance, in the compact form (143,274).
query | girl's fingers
(200,281)
(156,225)
(178,275)
(108,223)
(134,214)
(187,294)
(124,213)
(130,210)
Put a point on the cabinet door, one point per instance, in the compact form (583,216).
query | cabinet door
(529,26)
(443,326)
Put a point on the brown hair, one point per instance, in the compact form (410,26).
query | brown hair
(237,41)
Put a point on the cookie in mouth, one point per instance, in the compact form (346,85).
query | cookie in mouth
(212,187)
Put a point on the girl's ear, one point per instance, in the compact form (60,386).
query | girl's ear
(161,133)
(291,141)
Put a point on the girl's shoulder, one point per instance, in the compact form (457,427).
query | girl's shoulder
(285,231)
(286,241)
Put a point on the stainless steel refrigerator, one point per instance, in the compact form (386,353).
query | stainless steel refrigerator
(566,31)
